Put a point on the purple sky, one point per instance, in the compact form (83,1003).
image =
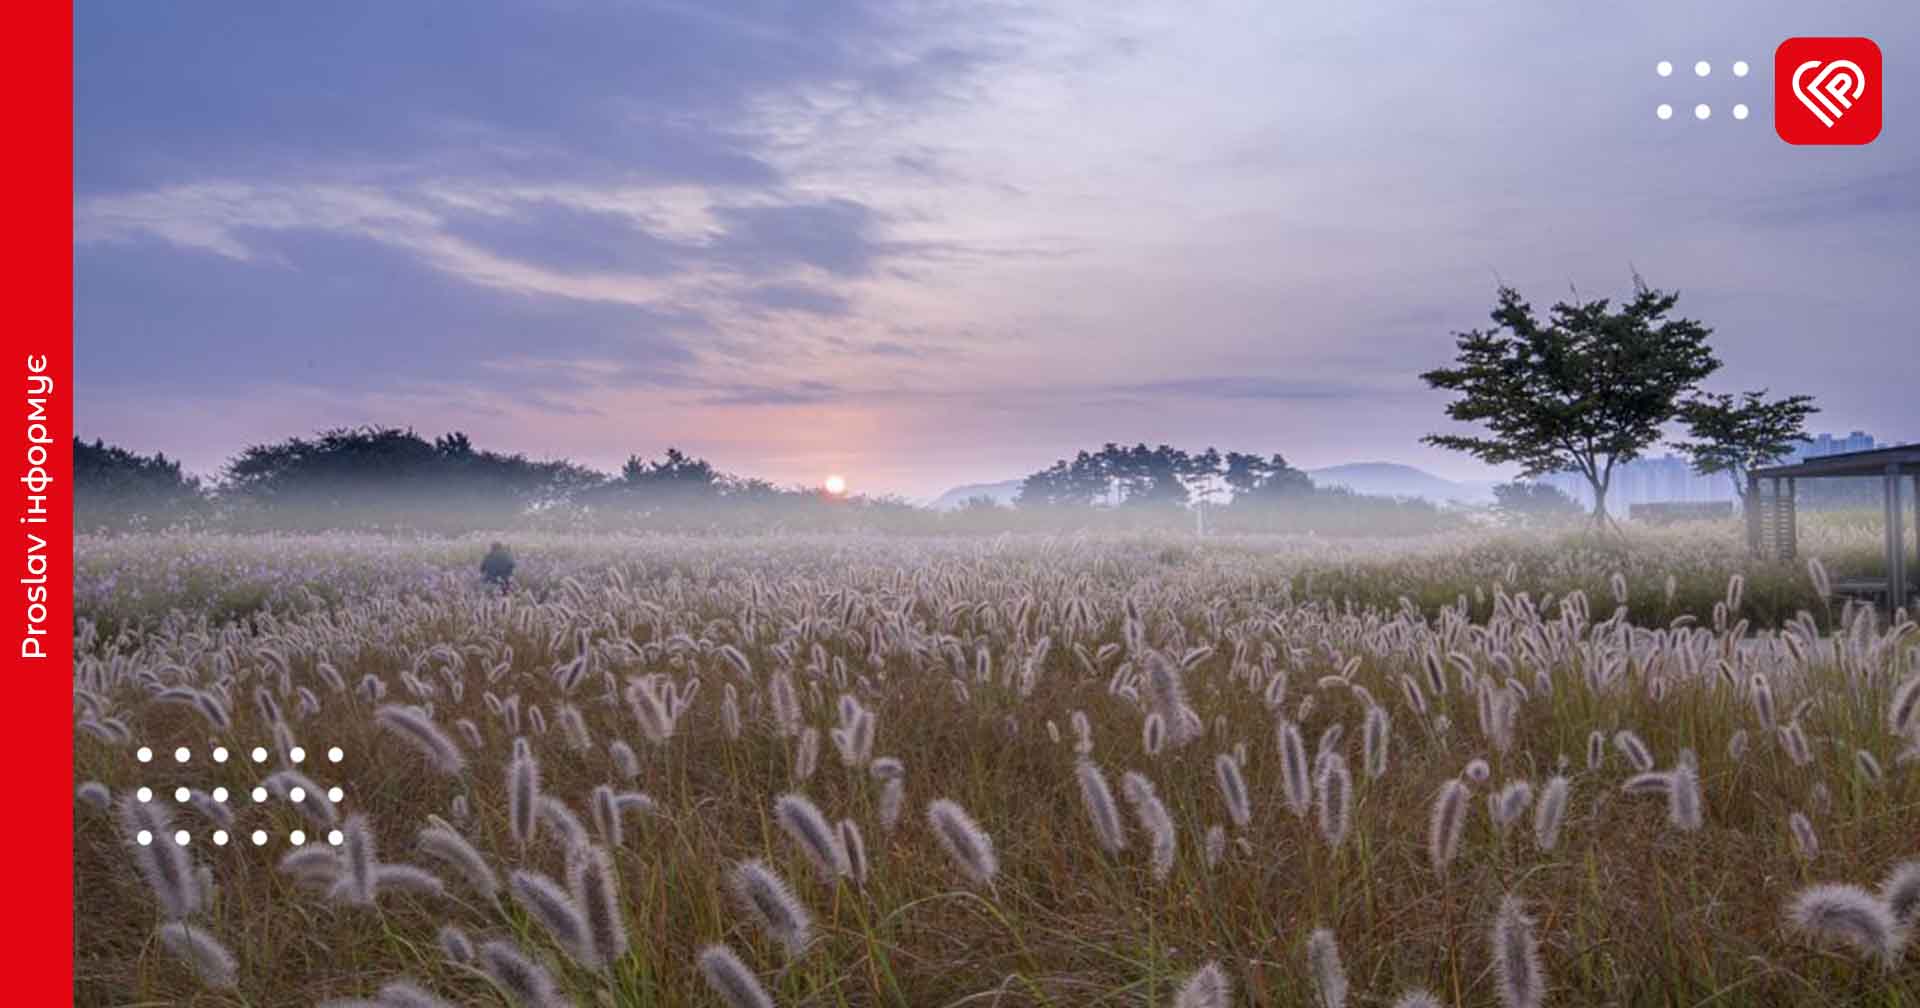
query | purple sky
(930,243)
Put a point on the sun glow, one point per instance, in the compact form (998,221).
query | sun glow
(836,485)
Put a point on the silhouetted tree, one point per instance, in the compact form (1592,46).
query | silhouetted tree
(1737,436)
(1528,503)
(388,477)
(116,488)
(1585,390)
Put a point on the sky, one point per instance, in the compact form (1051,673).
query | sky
(928,243)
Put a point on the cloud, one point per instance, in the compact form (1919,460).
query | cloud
(334,311)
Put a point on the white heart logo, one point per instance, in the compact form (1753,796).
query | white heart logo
(1832,91)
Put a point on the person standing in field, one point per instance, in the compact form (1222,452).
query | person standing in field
(497,567)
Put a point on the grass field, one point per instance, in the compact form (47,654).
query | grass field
(1506,770)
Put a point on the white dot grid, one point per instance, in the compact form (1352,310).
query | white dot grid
(220,795)
(1702,111)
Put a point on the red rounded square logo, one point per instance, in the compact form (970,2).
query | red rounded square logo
(1827,91)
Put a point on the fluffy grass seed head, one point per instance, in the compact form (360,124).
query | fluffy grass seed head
(966,843)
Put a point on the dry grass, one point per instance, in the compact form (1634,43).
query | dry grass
(972,658)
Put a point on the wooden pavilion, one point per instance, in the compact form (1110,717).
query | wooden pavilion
(1771,528)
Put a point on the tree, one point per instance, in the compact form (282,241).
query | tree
(113,487)
(1256,480)
(1585,390)
(389,477)
(1738,436)
(1525,503)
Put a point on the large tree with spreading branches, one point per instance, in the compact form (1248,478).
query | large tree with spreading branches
(1585,389)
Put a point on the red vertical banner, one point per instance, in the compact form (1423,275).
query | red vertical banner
(36,370)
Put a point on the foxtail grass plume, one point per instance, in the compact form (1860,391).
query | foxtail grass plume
(408,994)
(1760,693)
(816,837)
(1233,789)
(455,945)
(966,843)
(893,798)
(1329,976)
(1903,713)
(1835,914)
(1333,797)
(544,901)
(730,978)
(165,865)
(1633,749)
(419,730)
(1521,980)
(1216,845)
(359,862)
(1684,810)
(1550,813)
(1794,740)
(526,983)
(1510,803)
(1596,750)
(1805,841)
(1901,893)
(1446,823)
(195,946)
(523,797)
(590,880)
(1376,732)
(856,847)
(625,763)
(766,897)
(806,754)
(1417,999)
(1151,812)
(1109,831)
(1206,987)
(1294,772)
(1478,771)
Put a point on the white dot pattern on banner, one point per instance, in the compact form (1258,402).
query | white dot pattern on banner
(220,795)
(1701,68)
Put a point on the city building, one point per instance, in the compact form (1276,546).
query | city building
(1670,478)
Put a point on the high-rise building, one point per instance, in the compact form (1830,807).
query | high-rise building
(1671,477)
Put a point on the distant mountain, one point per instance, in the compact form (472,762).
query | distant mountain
(1002,492)
(1391,479)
